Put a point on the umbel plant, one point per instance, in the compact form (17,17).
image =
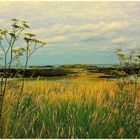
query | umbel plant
(13,54)
(129,68)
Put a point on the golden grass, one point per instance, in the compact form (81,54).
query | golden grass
(75,90)
(81,100)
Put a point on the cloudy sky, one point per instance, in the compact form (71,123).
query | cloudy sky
(78,32)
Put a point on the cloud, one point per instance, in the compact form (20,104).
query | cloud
(121,40)
(102,26)
(80,26)
(133,47)
(104,49)
(2,21)
(63,10)
(81,32)
(114,26)
(57,39)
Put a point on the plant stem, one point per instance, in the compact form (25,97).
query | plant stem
(21,91)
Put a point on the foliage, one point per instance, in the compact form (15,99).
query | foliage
(13,54)
(76,109)
(35,72)
(129,60)
(80,66)
(119,73)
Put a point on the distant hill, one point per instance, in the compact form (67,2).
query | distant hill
(42,67)
(82,66)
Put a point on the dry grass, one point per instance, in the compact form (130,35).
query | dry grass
(76,109)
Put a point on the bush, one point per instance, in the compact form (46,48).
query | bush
(39,72)
(118,73)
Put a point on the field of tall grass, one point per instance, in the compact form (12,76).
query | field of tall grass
(72,109)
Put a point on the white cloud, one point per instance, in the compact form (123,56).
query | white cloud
(100,27)
(104,49)
(2,21)
(114,26)
(82,32)
(43,10)
(121,40)
(133,47)
(75,22)
(57,39)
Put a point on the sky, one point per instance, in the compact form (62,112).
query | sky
(77,32)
